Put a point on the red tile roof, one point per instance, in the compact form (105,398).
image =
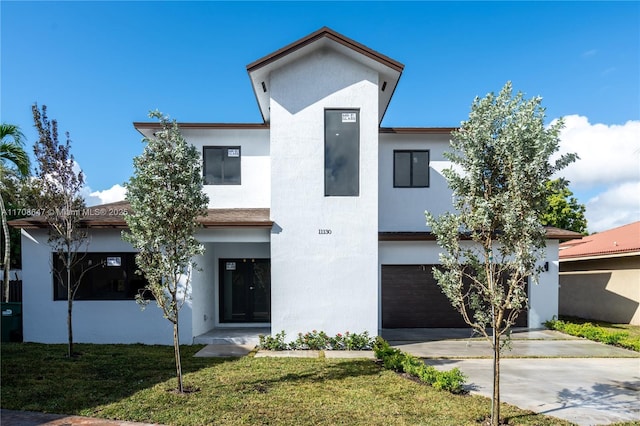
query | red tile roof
(623,240)
(112,216)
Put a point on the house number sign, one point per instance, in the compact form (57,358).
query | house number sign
(324,231)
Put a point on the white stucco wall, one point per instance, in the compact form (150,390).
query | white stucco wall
(322,282)
(255,188)
(543,297)
(45,320)
(402,209)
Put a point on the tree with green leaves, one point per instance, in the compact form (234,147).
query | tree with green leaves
(166,197)
(563,209)
(14,163)
(500,162)
(57,188)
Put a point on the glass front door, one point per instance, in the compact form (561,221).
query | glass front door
(245,290)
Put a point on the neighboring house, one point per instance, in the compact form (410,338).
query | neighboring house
(316,217)
(600,276)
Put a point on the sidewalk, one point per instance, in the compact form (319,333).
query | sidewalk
(30,418)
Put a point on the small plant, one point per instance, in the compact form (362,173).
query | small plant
(273,343)
(394,359)
(450,380)
(358,342)
(313,340)
(319,341)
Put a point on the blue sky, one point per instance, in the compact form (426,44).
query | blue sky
(99,66)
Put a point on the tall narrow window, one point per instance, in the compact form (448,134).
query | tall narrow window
(221,165)
(411,169)
(341,152)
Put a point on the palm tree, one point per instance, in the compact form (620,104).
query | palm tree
(14,158)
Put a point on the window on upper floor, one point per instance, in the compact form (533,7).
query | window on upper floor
(411,168)
(104,276)
(341,152)
(221,165)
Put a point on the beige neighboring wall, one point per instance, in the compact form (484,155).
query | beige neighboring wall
(606,289)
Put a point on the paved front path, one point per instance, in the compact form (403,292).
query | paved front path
(581,381)
(30,418)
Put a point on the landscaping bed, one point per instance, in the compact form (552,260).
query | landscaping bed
(622,335)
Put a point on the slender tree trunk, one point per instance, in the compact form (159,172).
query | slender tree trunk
(176,351)
(7,248)
(69,307)
(495,401)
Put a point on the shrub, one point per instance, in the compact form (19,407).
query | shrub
(394,359)
(358,342)
(318,340)
(313,340)
(594,332)
(273,343)
(451,380)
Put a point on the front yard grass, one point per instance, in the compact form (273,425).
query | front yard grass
(133,382)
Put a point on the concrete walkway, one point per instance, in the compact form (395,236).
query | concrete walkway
(547,372)
(30,418)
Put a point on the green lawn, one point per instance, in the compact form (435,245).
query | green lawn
(134,382)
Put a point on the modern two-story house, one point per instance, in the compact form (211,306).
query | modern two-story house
(316,217)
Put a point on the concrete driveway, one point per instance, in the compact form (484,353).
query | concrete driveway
(545,371)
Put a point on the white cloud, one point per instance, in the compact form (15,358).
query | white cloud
(609,154)
(609,162)
(115,193)
(615,207)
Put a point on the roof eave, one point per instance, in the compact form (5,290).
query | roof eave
(259,70)
(595,256)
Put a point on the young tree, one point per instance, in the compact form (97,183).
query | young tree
(563,210)
(57,194)
(14,162)
(501,161)
(166,199)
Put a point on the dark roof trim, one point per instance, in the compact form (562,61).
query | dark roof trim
(392,130)
(332,35)
(417,130)
(551,234)
(111,216)
(406,236)
(121,224)
(152,125)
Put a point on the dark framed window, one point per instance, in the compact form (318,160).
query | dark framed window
(411,169)
(108,276)
(221,165)
(341,152)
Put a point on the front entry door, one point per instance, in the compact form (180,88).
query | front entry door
(245,290)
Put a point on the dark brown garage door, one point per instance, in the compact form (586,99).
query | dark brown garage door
(411,298)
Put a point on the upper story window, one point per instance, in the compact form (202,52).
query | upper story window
(221,165)
(104,276)
(410,169)
(341,152)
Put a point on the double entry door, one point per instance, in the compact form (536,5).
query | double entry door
(245,290)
